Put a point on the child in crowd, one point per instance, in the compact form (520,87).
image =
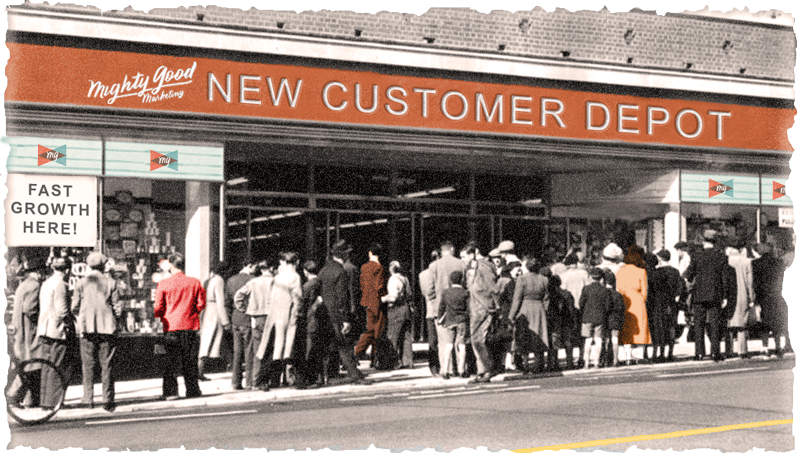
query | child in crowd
(454,317)
(614,319)
(595,302)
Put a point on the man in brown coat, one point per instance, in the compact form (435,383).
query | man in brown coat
(373,287)
(95,304)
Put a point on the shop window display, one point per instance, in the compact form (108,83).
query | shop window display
(143,222)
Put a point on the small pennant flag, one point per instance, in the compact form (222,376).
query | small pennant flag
(778,190)
(159,160)
(716,188)
(48,155)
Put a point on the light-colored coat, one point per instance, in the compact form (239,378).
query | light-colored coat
(25,318)
(440,274)
(287,294)
(54,316)
(744,288)
(95,301)
(214,318)
(632,284)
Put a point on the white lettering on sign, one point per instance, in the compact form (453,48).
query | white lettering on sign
(140,85)
(39,212)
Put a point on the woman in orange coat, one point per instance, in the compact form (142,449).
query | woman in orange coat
(632,284)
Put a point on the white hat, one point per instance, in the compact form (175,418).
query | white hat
(505,246)
(612,251)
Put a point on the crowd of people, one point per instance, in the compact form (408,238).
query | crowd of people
(294,324)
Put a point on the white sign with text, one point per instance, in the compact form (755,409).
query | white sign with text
(47,210)
(786,217)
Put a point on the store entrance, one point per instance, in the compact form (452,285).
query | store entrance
(260,232)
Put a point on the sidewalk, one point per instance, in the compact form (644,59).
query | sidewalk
(145,395)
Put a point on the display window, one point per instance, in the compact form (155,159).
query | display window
(143,222)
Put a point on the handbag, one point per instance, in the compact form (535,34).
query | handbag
(500,329)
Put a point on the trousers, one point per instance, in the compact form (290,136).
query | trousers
(376,325)
(182,347)
(479,326)
(712,311)
(101,347)
(433,346)
(398,330)
(242,355)
(62,354)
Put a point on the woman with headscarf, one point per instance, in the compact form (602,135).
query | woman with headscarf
(632,284)
(277,340)
(528,313)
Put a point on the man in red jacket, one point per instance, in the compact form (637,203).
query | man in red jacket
(373,287)
(179,301)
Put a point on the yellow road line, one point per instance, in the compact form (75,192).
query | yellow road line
(650,437)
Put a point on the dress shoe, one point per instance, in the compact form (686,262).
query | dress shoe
(446,376)
(719,358)
(194,395)
(698,357)
(109,407)
(464,375)
(203,378)
(237,387)
(481,379)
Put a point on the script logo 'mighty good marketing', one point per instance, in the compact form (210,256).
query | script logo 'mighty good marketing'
(140,85)
(48,155)
(160,160)
(778,190)
(716,188)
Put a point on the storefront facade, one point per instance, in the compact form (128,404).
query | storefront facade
(224,141)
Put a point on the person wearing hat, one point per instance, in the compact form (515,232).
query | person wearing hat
(665,287)
(56,331)
(335,292)
(254,299)
(711,292)
(179,301)
(24,320)
(95,303)
(612,259)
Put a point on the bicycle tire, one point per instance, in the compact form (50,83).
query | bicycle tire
(26,409)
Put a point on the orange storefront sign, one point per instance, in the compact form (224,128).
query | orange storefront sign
(119,80)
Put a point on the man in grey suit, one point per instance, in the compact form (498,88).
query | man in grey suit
(95,304)
(440,275)
(428,289)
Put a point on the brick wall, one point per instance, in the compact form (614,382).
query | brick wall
(635,39)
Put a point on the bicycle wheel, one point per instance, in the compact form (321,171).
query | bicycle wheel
(34,391)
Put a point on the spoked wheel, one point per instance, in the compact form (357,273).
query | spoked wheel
(34,391)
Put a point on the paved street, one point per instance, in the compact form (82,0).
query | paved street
(514,413)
